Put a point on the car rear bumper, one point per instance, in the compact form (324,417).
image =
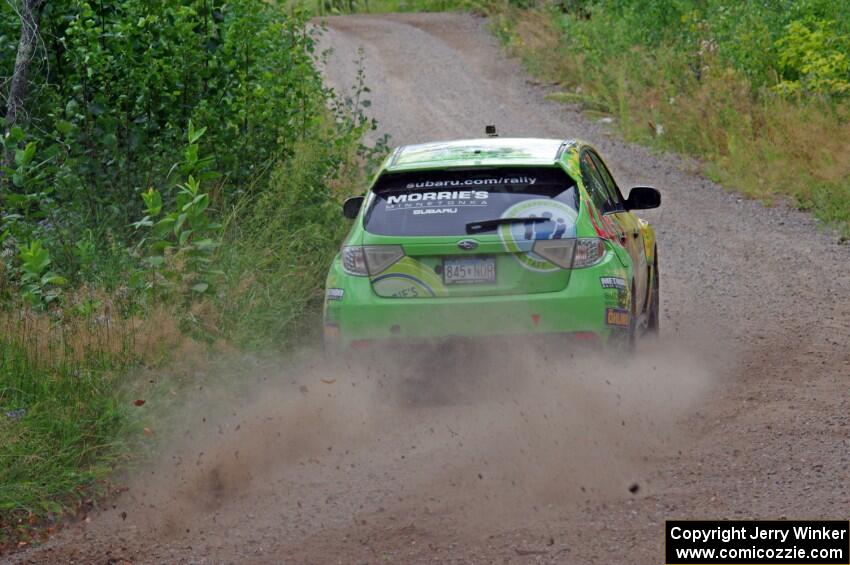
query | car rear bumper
(359,317)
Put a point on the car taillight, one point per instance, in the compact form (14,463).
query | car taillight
(571,253)
(354,261)
(589,252)
(557,251)
(380,257)
(369,259)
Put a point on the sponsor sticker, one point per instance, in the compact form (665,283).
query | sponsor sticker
(530,181)
(613,282)
(408,278)
(426,211)
(438,202)
(519,238)
(334,293)
(617,317)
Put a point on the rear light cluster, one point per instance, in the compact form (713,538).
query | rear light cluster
(365,260)
(571,253)
(589,252)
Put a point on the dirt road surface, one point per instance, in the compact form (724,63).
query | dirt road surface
(740,410)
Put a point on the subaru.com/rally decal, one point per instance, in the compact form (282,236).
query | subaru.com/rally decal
(408,278)
(461,193)
(519,238)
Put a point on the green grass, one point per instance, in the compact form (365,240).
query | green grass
(280,243)
(61,433)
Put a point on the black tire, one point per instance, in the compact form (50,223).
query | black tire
(653,322)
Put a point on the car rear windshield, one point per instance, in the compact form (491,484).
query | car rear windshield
(443,202)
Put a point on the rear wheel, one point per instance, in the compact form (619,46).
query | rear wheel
(653,322)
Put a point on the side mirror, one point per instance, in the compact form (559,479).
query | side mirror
(351,207)
(643,198)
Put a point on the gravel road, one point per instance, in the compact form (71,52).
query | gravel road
(740,410)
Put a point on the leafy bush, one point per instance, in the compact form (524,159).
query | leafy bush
(279,240)
(38,284)
(178,172)
(179,245)
(814,59)
(112,93)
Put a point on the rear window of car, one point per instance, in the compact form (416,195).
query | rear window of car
(443,202)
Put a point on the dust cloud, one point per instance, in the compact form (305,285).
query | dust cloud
(485,433)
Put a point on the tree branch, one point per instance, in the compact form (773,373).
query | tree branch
(30,14)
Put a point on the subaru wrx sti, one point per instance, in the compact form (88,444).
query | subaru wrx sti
(494,237)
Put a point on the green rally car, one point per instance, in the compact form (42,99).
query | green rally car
(494,237)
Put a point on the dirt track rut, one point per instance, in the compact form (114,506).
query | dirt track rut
(741,410)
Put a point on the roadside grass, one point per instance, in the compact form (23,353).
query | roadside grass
(761,143)
(67,413)
(280,243)
(84,402)
(61,417)
(57,454)
(69,374)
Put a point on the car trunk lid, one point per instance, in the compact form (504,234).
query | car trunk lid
(431,213)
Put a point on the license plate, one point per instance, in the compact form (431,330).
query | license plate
(469,270)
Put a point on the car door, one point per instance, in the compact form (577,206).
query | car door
(632,235)
(604,205)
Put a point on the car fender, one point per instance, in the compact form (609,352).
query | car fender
(648,233)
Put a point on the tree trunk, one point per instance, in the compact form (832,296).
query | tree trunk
(30,12)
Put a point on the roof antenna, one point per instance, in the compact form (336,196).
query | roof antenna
(491,131)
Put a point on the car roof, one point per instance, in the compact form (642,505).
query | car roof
(491,151)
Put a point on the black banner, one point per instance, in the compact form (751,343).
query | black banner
(768,542)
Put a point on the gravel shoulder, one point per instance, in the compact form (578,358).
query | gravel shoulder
(741,410)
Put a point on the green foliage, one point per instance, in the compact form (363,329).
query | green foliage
(770,42)
(38,284)
(149,125)
(815,59)
(180,242)
(278,254)
(280,240)
(114,87)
